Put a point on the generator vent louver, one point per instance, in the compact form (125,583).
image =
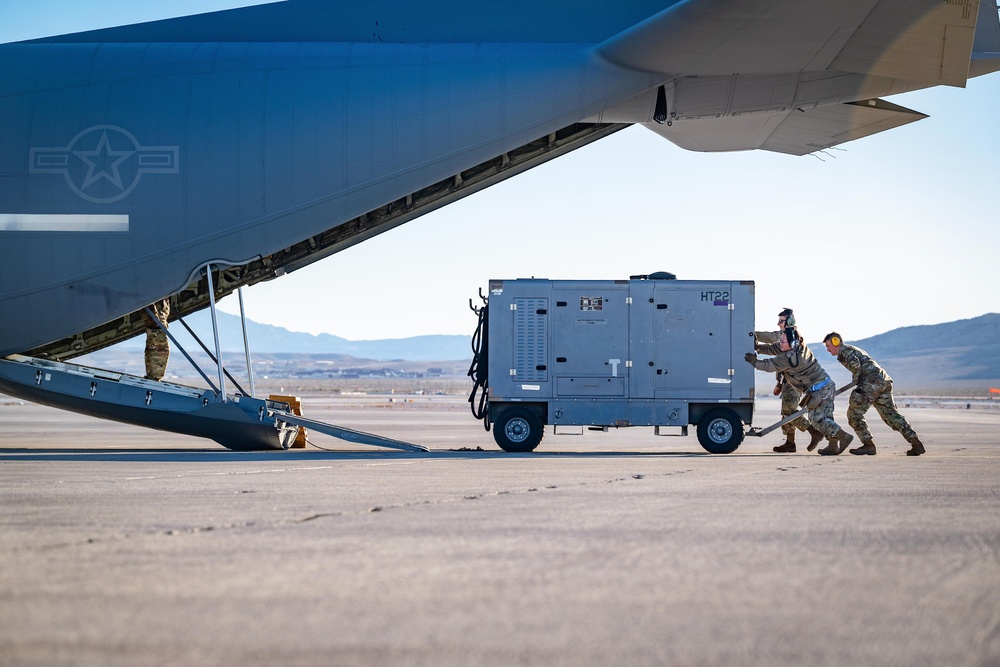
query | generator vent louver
(530,335)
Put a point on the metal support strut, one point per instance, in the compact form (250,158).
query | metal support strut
(347,434)
(215,330)
(246,342)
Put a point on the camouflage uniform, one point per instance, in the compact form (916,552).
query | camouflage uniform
(790,396)
(801,370)
(157,344)
(874,388)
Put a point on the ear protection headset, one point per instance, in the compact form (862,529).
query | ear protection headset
(789,317)
(835,339)
(792,336)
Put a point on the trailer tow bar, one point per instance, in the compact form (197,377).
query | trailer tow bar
(760,432)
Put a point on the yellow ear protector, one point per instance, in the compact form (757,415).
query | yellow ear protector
(835,341)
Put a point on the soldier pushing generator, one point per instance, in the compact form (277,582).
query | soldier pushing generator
(648,351)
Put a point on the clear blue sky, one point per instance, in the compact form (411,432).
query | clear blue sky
(894,230)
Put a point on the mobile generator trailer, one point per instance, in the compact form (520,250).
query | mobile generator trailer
(648,351)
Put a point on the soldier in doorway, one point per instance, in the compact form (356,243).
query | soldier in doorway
(874,388)
(157,344)
(790,396)
(793,359)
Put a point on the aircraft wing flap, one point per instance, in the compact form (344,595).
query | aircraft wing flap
(805,132)
(795,132)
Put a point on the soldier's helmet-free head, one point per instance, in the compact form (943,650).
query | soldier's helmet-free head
(833,341)
(786,318)
(791,336)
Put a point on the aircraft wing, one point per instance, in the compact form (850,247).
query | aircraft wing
(917,40)
(810,71)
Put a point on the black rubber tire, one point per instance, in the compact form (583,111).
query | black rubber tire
(720,431)
(518,429)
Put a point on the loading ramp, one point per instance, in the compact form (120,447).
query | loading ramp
(236,422)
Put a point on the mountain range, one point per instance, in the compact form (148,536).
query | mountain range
(953,357)
(270,339)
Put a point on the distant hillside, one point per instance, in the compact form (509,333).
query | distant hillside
(962,350)
(955,357)
(268,339)
(962,356)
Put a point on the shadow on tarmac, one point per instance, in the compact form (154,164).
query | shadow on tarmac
(294,456)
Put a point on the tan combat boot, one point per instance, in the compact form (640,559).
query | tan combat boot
(916,447)
(844,439)
(816,437)
(838,443)
(831,448)
(788,447)
(867,447)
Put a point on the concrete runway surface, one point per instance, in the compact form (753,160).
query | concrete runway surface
(120,546)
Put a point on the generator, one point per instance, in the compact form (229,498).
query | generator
(647,351)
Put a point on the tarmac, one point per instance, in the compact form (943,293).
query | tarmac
(122,546)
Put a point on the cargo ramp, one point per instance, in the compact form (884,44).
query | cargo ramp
(238,422)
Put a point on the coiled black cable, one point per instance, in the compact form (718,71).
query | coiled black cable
(479,369)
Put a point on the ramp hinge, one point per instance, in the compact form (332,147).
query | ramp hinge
(628,300)
(732,372)
(513,306)
(513,372)
(732,306)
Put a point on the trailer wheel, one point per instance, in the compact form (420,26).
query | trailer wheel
(720,431)
(517,429)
